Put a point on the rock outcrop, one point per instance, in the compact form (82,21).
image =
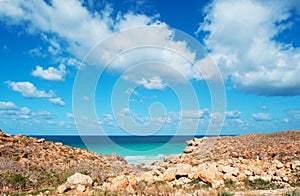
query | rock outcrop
(272,160)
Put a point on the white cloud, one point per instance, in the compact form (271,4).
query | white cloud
(69,115)
(69,20)
(262,117)
(57,101)
(242,39)
(193,114)
(7,105)
(42,115)
(36,52)
(28,90)
(53,74)
(69,27)
(294,114)
(9,110)
(130,91)
(234,114)
(152,83)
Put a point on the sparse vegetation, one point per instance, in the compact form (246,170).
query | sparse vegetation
(225,193)
(294,193)
(260,184)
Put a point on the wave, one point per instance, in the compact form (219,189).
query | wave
(143,158)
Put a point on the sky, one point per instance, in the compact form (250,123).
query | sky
(149,67)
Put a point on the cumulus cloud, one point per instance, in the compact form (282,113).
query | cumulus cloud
(234,114)
(69,115)
(262,117)
(245,47)
(152,83)
(28,90)
(193,114)
(57,101)
(10,110)
(7,105)
(53,74)
(68,26)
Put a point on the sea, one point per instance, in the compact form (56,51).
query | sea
(135,149)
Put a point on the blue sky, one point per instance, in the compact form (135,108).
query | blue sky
(149,67)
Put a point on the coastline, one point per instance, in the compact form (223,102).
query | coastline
(210,165)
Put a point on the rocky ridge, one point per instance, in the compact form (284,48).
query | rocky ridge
(238,164)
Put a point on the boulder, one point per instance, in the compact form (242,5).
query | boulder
(63,188)
(227,169)
(280,173)
(169,174)
(217,184)
(279,165)
(248,173)
(257,171)
(147,176)
(106,186)
(80,188)
(285,179)
(206,176)
(42,140)
(183,169)
(79,178)
(120,182)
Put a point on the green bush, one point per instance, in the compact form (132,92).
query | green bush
(17,180)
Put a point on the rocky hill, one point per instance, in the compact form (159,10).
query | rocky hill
(264,164)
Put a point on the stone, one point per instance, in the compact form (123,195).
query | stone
(169,174)
(80,188)
(42,140)
(217,183)
(241,177)
(183,169)
(279,165)
(193,175)
(8,139)
(189,149)
(248,173)
(18,136)
(266,178)
(132,181)
(280,173)
(79,178)
(276,178)
(206,176)
(63,188)
(120,182)
(147,176)
(227,169)
(106,186)
(257,172)
(285,179)
(229,176)
(235,172)
(218,176)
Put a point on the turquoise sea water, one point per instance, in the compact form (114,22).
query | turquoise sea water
(138,152)
(135,149)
